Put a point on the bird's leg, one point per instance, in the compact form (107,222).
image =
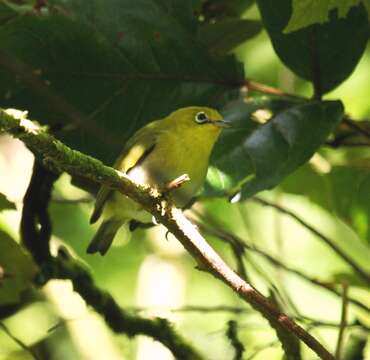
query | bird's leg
(170,186)
(166,202)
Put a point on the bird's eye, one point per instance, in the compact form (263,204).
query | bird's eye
(201,117)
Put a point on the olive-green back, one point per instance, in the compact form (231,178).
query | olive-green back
(138,147)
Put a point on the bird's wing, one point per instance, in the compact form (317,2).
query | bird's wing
(138,147)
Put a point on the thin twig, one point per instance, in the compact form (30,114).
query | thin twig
(343,323)
(19,342)
(356,126)
(176,183)
(261,348)
(232,335)
(82,200)
(361,272)
(335,144)
(212,309)
(243,310)
(267,89)
(330,324)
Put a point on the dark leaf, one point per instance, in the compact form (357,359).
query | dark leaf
(218,9)
(224,35)
(108,68)
(314,52)
(253,159)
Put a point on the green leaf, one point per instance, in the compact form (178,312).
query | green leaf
(17,270)
(224,35)
(254,159)
(5,203)
(108,68)
(313,52)
(231,166)
(308,12)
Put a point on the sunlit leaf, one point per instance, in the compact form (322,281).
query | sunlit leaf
(308,12)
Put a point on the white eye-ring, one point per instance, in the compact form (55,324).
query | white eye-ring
(201,117)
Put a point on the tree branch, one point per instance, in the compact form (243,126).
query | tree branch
(35,204)
(267,89)
(59,156)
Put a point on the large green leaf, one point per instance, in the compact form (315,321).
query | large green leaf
(251,159)
(325,54)
(308,12)
(105,68)
(16,270)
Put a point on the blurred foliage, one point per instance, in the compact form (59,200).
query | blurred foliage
(5,203)
(96,71)
(17,270)
(332,192)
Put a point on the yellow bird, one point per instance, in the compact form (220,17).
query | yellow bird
(155,155)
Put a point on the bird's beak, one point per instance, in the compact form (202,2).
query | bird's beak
(222,123)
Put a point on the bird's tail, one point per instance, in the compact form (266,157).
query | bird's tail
(104,236)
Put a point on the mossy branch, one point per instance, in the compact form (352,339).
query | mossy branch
(56,155)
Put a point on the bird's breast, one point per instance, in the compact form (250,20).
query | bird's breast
(171,158)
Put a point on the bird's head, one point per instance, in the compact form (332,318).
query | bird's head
(197,121)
